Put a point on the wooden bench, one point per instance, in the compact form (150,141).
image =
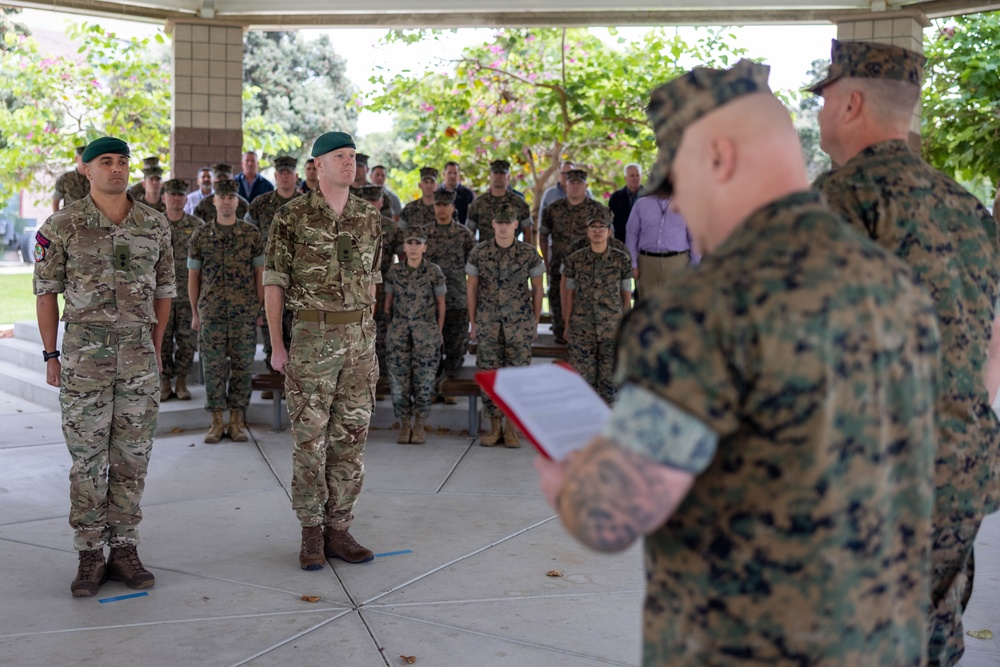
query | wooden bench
(464,385)
(545,347)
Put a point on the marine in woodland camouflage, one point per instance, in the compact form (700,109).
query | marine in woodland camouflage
(72,186)
(206,208)
(485,208)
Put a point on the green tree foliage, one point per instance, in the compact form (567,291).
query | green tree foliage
(114,86)
(296,85)
(536,97)
(806,119)
(961,98)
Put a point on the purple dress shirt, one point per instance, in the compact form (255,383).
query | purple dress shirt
(653,227)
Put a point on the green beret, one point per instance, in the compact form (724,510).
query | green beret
(576,175)
(284,162)
(428,172)
(152,172)
(103,146)
(331,141)
(371,192)
(175,186)
(222,168)
(501,166)
(871,60)
(417,233)
(675,106)
(361,159)
(444,197)
(226,186)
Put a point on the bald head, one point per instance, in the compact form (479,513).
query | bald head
(732,162)
(860,112)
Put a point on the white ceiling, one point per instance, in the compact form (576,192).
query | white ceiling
(261,14)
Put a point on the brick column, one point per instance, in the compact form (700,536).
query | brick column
(903,28)
(207,107)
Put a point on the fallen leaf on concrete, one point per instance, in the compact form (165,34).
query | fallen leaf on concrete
(310,598)
(176,429)
(980,634)
(409,659)
(191,445)
(553,573)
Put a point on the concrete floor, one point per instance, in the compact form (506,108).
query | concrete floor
(464,538)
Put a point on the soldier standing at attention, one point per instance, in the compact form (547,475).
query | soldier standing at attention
(598,295)
(112,259)
(139,189)
(311,181)
(206,207)
(781,479)
(360,174)
(323,261)
(419,213)
(179,339)
(949,239)
(224,285)
(449,245)
(152,189)
(565,222)
(503,312)
(73,185)
(391,205)
(261,213)
(414,303)
(484,209)
(373,194)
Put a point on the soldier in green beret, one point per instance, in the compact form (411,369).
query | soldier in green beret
(324,255)
(179,340)
(73,185)
(225,264)
(773,438)
(114,263)
(887,192)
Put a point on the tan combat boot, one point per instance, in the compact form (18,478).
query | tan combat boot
(165,389)
(267,394)
(510,438)
(216,430)
(493,437)
(124,565)
(404,431)
(236,426)
(311,553)
(418,437)
(182,389)
(340,544)
(90,574)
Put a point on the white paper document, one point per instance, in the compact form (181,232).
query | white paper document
(557,408)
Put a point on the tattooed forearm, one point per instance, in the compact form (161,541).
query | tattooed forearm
(613,496)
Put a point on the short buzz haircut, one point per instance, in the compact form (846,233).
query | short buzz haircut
(311,160)
(630,165)
(893,101)
(452,163)
(379,166)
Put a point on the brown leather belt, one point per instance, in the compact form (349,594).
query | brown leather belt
(330,317)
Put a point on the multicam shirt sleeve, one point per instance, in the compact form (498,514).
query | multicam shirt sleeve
(50,261)
(278,256)
(166,278)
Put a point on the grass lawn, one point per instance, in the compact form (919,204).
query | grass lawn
(17,302)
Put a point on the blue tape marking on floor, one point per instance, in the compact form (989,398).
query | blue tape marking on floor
(394,553)
(123,597)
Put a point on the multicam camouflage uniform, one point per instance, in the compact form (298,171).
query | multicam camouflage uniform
(228,305)
(505,319)
(597,281)
(206,208)
(565,224)
(110,386)
(331,372)
(951,242)
(485,207)
(449,247)
(261,213)
(72,186)
(804,539)
(414,340)
(177,360)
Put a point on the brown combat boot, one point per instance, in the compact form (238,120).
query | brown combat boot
(236,426)
(418,437)
(510,438)
(124,565)
(493,437)
(216,430)
(404,431)
(267,394)
(340,544)
(311,553)
(182,389)
(90,574)
(165,389)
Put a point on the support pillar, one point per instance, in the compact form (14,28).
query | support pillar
(207,104)
(903,28)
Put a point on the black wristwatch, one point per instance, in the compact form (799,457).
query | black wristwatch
(50,355)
